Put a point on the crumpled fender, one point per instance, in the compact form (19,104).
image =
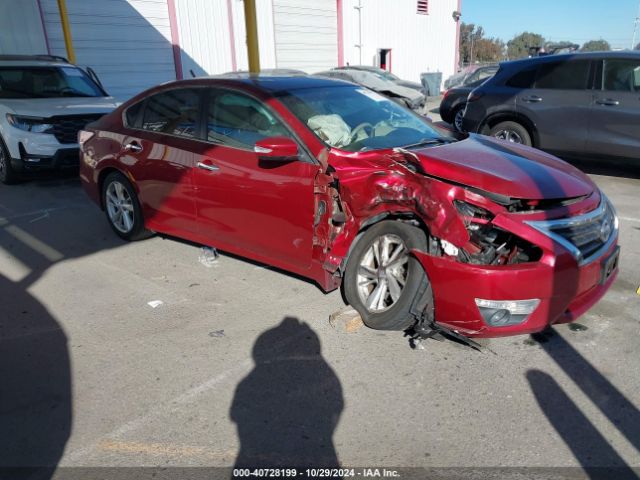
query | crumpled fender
(366,196)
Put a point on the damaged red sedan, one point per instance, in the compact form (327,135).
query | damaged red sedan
(338,184)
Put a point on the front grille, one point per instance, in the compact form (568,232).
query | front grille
(584,235)
(66,128)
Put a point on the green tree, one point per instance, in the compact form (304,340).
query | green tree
(469,36)
(518,46)
(475,48)
(596,46)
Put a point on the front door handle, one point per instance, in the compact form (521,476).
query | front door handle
(532,99)
(208,166)
(610,102)
(133,147)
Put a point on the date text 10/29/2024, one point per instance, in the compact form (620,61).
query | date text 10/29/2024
(315,472)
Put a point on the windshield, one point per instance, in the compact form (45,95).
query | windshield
(46,82)
(358,119)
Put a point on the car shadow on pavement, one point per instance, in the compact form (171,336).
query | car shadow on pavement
(287,408)
(609,168)
(589,446)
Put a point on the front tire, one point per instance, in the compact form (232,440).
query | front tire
(383,281)
(7,174)
(511,132)
(122,207)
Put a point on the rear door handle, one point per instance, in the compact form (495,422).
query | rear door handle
(133,147)
(610,102)
(208,166)
(532,99)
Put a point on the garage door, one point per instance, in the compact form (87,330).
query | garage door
(128,43)
(306,34)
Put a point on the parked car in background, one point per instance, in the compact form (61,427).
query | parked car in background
(409,97)
(341,185)
(470,74)
(386,75)
(453,103)
(44,102)
(584,104)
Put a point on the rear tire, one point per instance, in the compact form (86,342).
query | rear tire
(122,208)
(383,281)
(511,132)
(456,121)
(7,174)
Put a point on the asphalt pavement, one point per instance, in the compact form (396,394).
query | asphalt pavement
(149,354)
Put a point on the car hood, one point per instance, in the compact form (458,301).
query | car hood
(409,84)
(505,169)
(50,107)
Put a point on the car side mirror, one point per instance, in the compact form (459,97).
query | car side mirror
(278,149)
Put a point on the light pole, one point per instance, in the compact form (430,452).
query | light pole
(359,45)
(635,29)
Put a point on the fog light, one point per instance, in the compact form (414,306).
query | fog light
(501,313)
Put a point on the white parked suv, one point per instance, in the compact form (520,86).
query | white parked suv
(44,102)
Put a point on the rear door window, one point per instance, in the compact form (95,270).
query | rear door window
(571,75)
(622,75)
(174,112)
(523,79)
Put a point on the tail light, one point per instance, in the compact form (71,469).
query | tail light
(446,94)
(84,136)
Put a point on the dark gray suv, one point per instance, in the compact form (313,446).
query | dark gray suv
(585,104)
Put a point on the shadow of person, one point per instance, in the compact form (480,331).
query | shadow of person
(592,450)
(287,408)
(35,385)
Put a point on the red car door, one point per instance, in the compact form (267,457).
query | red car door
(263,210)
(159,153)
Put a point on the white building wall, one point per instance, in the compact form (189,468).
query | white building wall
(127,42)
(205,36)
(306,34)
(419,43)
(21,28)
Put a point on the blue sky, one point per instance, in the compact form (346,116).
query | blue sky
(573,20)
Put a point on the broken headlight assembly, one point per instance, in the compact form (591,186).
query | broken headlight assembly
(488,244)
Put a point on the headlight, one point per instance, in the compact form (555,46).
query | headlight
(30,124)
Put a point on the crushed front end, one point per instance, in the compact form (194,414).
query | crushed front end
(526,264)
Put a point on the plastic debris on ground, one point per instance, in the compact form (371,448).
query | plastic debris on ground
(208,257)
(155,303)
(217,334)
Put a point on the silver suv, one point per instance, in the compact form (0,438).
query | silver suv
(44,102)
(585,104)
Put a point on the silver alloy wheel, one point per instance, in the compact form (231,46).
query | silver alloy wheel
(457,120)
(382,273)
(119,207)
(509,136)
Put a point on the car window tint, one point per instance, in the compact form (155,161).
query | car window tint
(240,120)
(573,75)
(622,75)
(174,112)
(523,79)
(132,114)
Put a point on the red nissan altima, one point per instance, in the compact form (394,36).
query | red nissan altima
(338,184)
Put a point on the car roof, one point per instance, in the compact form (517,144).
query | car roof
(632,54)
(268,83)
(32,61)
